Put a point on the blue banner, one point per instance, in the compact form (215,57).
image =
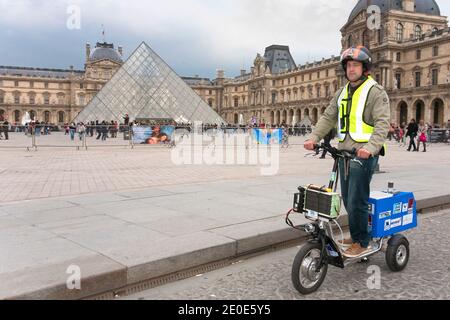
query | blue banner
(153,135)
(267,136)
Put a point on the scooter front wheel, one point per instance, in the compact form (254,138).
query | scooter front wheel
(305,277)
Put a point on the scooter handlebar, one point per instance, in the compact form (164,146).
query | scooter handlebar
(335,153)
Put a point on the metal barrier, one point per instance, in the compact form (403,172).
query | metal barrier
(438,135)
(107,136)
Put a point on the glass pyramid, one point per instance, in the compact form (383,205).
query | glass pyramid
(145,87)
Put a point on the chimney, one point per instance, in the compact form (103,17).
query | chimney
(120,49)
(88,51)
(408,5)
(243,72)
(220,74)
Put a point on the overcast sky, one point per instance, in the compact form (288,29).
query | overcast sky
(195,37)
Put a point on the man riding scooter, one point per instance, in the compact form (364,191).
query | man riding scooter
(361,111)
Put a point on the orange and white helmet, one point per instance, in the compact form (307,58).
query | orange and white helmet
(359,53)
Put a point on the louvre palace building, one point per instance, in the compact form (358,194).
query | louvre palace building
(411,54)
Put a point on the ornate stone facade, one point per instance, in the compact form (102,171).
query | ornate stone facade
(54,95)
(411,52)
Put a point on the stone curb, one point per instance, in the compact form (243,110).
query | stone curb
(246,238)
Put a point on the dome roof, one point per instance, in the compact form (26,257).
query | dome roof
(422,6)
(105,51)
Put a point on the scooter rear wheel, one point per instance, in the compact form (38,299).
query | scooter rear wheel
(304,276)
(397,253)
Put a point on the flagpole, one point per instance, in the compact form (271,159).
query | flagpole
(103,33)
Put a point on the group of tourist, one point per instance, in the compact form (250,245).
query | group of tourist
(417,133)
(103,129)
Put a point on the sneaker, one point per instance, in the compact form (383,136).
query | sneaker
(351,248)
(355,251)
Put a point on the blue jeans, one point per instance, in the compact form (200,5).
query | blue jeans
(355,190)
(72,134)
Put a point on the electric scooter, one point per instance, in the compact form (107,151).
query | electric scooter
(390,213)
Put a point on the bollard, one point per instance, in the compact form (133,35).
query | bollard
(84,141)
(33,141)
(130,136)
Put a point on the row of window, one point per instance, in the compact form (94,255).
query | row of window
(287,81)
(418,78)
(295,80)
(104,75)
(435,52)
(32,84)
(32,99)
(284,97)
(400,30)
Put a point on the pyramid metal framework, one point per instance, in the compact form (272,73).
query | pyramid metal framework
(145,87)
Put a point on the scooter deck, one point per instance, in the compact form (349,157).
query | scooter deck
(375,247)
(343,261)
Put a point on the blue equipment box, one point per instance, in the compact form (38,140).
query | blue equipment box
(391,213)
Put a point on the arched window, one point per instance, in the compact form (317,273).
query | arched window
(32,115)
(32,97)
(46,98)
(81,100)
(16,97)
(366,39)
(418,32)
(435,30)
(400,30)
(350,41)
(380,36)
(61,97)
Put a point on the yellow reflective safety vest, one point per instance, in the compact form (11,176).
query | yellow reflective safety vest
(351,113)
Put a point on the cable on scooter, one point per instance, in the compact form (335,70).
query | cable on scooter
(290,223)
(342,232)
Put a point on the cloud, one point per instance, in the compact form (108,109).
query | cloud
(194,36)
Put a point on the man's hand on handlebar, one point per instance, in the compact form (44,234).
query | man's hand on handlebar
(310,145)
(363,154)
